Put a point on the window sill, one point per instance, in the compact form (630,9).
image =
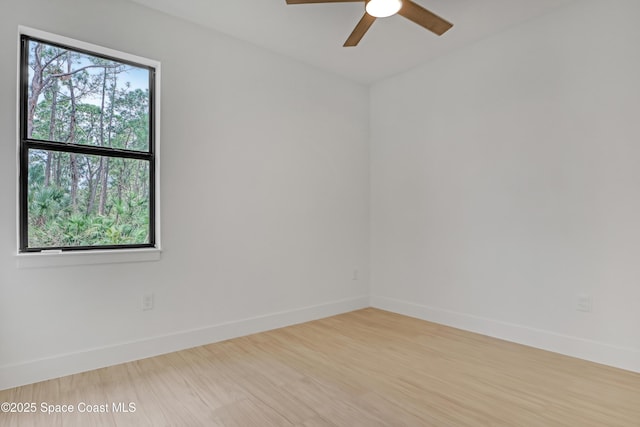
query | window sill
(66,259)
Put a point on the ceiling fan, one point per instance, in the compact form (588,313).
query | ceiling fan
(381,9)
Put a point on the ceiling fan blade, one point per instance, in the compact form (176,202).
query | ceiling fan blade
(321,1)
(359,31)
(423,17)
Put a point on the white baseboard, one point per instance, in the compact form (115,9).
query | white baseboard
(606,354)
(66,364)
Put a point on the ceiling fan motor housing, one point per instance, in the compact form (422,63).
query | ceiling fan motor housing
(382,8)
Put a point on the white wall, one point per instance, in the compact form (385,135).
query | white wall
(264,200)
(506,182)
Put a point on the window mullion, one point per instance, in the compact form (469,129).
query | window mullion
(86,149)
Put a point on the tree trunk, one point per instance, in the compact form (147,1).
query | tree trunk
(36,88)
(57,170)
(52,130)
(124,173)
(104,162)
(74,181)
(72,139)
(92,187)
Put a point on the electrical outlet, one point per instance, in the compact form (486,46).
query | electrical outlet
(355,275)
(147,301)
(584,303)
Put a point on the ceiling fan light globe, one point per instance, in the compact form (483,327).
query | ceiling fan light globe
(383,8)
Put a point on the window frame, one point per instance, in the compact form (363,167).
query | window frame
(25,144)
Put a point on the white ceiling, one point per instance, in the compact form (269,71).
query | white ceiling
(314,33)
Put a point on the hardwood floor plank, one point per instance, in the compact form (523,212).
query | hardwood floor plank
(366,368)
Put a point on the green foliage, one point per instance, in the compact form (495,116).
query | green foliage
(54,224)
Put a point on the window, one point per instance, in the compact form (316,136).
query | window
(87,147)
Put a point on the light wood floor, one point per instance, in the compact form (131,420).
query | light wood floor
(367,368)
